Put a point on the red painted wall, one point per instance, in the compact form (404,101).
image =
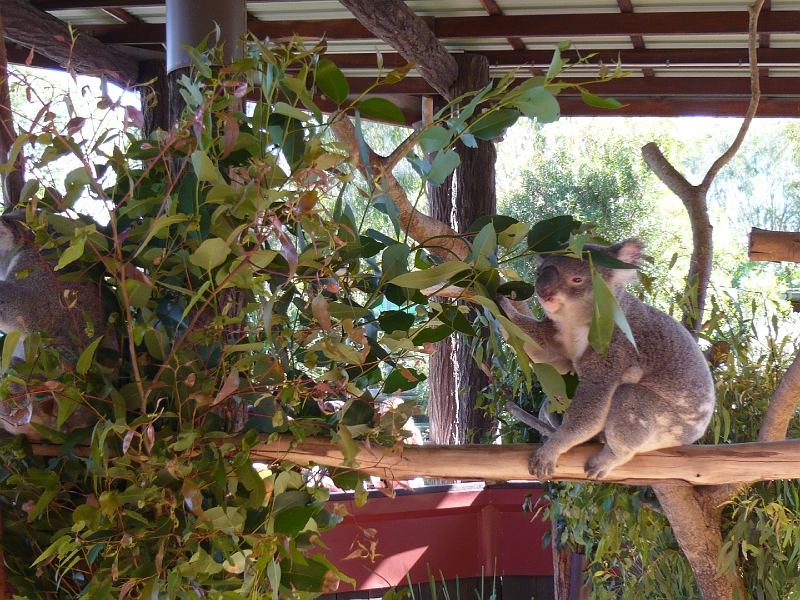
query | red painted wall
(456,532)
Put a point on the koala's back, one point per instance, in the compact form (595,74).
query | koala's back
(671,365)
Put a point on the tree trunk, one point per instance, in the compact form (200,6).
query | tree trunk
(455,377)
(12,183)
(155,95)
(696,520)
(442,399)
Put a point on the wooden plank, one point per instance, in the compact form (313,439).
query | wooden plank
(543,26)
(628,87)
(632,58)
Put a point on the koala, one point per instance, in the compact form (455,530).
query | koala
(659,396)
(32,298)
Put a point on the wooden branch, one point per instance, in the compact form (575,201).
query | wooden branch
(441,239)
(33,28)
(782,405)
(755,96)
(774,246)
(684,465)
(397,25)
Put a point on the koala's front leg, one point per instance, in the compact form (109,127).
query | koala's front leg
(584,419)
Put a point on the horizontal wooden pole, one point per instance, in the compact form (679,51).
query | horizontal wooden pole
(682,465)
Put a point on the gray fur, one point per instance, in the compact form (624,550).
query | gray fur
(661,396)
(32,298)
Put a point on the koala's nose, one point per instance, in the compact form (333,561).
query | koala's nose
(545,282)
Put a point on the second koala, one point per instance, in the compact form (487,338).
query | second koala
(661,396)
(33,298)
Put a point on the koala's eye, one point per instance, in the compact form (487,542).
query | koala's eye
(577,280)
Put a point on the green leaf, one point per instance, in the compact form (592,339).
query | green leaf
(434,139)
(195,298)
(66,406)
(605,297)
(293,520)
(517,290)
(160,224)
(556,64)
(443,165)
(499,222)
(549,235)
(551,380)
(484,244)
(199,61)
(420,280)
(331,81)
(402,380)
(211,253)
(599,102)
(513,235)
(304,578)
(381,109)
(288,110)
(539,104)
(85,360)
(394,260)
(204,167)
(492,124)
(73,252)
(393,320)
(9,345)
(602,326)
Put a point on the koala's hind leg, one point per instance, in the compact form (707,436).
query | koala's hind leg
(630,426)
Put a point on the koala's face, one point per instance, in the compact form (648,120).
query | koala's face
(564,288)
(10,235)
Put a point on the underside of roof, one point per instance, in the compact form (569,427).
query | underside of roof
(687,57)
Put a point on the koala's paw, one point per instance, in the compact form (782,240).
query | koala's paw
(597,467)
(542,464)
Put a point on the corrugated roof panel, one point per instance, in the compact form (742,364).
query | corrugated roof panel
(85,16)
(608,42)
(149,14)
(543,7)
(301,10)
(447,8)
(785,40)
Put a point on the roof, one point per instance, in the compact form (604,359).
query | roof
(687,57)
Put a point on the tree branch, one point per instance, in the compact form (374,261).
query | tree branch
(397,25)
(52,38)
(529,419)
(440,239)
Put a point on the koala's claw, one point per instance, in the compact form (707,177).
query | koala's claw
(542,465)
(596,467)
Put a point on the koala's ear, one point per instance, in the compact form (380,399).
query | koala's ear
(629,251)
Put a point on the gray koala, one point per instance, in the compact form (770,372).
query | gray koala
(661,396)
(33,298)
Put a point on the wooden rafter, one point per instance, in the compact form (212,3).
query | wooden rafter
(542,26)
